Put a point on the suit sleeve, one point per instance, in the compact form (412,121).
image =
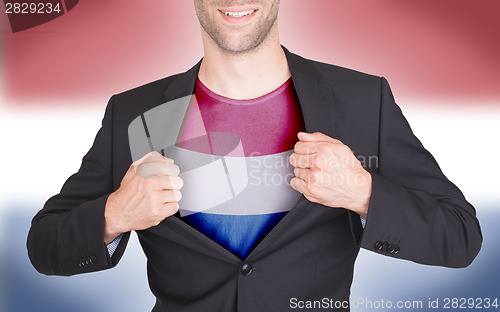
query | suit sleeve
(67,236)
(415,212)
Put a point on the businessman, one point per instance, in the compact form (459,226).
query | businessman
(183,162)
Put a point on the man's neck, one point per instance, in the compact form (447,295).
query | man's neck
(244,76)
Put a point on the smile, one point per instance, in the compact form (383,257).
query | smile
(238,14)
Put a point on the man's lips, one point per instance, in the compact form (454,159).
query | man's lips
(237,15)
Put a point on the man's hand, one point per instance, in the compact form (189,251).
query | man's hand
(327,172)
(148,193)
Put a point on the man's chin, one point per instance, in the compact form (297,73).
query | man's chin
(239,50)
(239,46)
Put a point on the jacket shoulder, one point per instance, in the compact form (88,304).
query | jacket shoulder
(130,104)
(338,75)
(151,90)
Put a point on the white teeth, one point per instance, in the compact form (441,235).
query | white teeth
(239,14)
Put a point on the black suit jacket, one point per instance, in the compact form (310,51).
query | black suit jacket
(415,213)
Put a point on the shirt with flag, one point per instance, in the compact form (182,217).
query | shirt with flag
(257,135)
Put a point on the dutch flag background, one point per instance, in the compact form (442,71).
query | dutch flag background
(440,57)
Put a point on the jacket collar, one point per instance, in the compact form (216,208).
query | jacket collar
(315,97)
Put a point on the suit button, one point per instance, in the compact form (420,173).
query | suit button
(93,260)
(390,249)
(246,269)
(83,263)
(396,249)
(393,249)
(378,245)
(384,246)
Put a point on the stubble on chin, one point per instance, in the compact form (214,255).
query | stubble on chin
(250,42)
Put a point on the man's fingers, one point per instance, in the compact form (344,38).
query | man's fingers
(153,156)
(303,147)
(150,155)
(171,208)
(143,158)
(172,169)
(301,186)
(311,176)
(157,169)
(313,147)
(316,137)
(170,196)
(172,183)
(301,173)
(157,157)
(302,161)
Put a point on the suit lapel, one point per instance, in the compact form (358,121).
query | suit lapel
(316,99)
(317,104)
(183,84)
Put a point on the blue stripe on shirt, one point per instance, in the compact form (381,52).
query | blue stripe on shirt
(237,233)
